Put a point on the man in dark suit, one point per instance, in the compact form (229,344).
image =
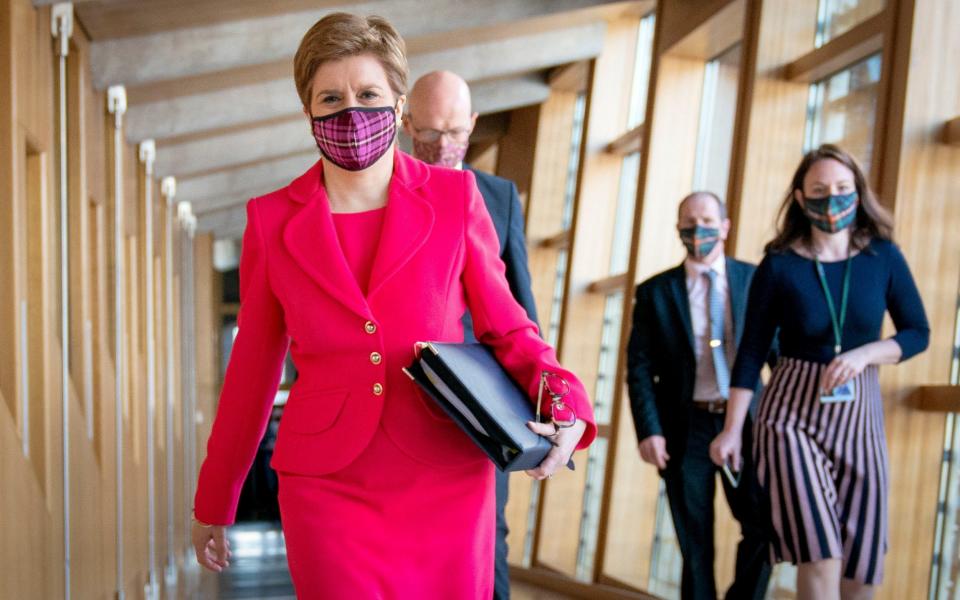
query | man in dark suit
(439,121)
(687,322)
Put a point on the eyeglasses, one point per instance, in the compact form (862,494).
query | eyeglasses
(457,134)
(561,414)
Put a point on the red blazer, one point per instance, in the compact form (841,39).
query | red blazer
(438,255)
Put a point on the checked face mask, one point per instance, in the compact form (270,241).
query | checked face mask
(699,240)
(831,213)
(354,138)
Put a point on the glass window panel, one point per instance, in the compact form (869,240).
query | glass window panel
(570,192)
(718,111)
(623,224)
(666,562)
(945,574)
(842,110)
(573,163)
(590,519)
(531,522)
(641,72)
(556,303)
(609,351)
(836,17)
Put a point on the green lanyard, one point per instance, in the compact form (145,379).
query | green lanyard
(837,323)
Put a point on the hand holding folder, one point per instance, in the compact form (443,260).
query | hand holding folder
(468,383)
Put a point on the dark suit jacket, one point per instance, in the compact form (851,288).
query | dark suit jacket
(503,204)
(661,366)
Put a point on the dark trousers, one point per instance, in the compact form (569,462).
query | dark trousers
(501,572)
(690,490)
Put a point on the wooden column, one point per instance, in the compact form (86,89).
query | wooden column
(590,246)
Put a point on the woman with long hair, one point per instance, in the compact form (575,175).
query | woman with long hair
(364,255)
(828,278)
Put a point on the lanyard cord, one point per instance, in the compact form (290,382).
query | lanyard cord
(837,323)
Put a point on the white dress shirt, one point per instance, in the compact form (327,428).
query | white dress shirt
(698,292)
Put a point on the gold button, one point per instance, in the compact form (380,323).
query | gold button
(375,358)
(377,389)
(369,327)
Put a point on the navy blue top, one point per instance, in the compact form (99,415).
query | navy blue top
(786,294)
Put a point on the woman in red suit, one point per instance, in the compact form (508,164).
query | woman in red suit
(359,258)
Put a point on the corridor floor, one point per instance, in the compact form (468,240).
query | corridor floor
(259,567)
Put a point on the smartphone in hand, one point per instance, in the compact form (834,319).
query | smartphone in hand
(732,476)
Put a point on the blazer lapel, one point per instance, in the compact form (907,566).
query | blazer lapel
(312,241)
(681,301)
(407,223)
(737,287)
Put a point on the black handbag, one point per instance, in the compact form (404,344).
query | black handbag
(468,383)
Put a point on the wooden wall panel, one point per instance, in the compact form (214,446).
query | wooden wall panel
(553,135)
(582,322)
(771,122)
(33,493)
(673,145)
(514,159)
(32,487)
(681,17)
(925,172)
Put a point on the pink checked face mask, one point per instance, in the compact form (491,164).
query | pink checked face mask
(354,138)
(444,154)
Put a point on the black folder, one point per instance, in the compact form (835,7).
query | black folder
(468,383)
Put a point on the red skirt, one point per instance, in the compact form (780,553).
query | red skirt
(389,527)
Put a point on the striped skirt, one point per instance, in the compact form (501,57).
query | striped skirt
(824,469)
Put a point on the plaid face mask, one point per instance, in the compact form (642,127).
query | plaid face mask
(438,153)
(699,240)
(354,138)
(831,213)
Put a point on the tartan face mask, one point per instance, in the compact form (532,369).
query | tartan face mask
(699,240)
(354,138)
(449,154)
(831,213)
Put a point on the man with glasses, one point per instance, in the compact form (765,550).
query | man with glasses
(439,121)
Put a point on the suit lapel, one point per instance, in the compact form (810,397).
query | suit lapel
(312,241)
(736,286)
(406,227)
(681,301)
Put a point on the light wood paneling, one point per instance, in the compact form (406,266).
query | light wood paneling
(673,146)
(32,497)
(544,211)
(773,128)
(582,323)
(33,488)
(926,229)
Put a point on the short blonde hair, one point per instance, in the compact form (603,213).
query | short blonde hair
(341,35)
